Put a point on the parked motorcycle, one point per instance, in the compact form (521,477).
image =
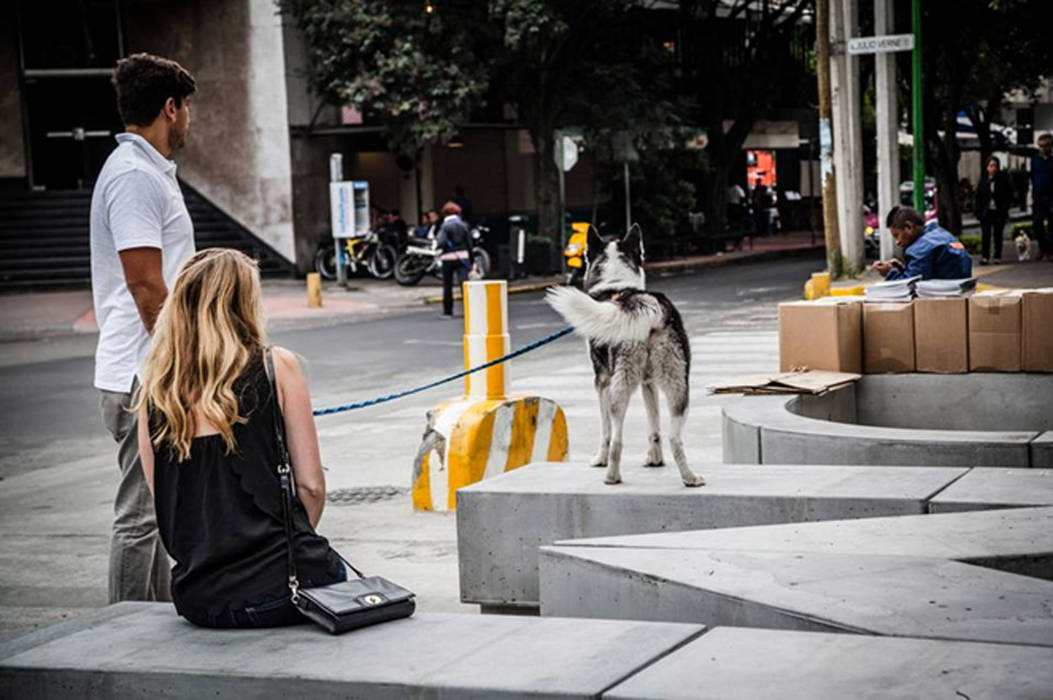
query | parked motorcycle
(422,257)
(575,252)
(366,253)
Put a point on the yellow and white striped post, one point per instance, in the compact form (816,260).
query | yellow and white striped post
(485,433)
(485,337)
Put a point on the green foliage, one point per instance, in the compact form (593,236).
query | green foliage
(1024,227)
(411,70)
(971,242)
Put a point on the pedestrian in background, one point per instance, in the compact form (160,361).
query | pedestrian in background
(208,423)
(1042,195)
(140,235)
(993,197)
(453,242)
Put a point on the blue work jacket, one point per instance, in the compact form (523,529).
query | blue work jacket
(935,255)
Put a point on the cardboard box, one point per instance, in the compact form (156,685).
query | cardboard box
(888,337)
(1036,328)
(941,335)
(994,332)
(824,334)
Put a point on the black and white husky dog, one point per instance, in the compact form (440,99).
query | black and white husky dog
(635,338)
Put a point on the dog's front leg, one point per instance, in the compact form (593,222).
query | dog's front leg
(603,394)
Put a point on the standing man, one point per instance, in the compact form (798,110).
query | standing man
(1042,195)
(141,234)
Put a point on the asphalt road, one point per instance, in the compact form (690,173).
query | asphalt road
(49,410)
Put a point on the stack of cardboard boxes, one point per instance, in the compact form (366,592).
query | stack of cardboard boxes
(1003,331)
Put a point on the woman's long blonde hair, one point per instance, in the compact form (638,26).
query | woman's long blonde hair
(208,330)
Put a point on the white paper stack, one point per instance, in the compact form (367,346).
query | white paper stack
(895,290)
(946,288)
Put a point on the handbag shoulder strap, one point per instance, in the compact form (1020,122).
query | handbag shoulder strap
(285,479)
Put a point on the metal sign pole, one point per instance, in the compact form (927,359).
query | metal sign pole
(336,174)
(919,116)
(628,204)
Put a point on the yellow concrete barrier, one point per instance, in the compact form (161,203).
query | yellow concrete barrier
(485,433)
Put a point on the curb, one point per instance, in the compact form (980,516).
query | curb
(677,267)
(532,287)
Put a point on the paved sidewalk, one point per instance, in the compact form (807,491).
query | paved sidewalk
(34,315)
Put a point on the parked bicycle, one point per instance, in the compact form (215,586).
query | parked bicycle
(361,253)
(422,258)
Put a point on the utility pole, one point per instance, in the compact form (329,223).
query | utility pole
(847,132)
(919,117)
(826,139)
(887,127)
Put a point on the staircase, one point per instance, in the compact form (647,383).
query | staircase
(44,238)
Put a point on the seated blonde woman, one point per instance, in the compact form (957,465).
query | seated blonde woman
(209,451)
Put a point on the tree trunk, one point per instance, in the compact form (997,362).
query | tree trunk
(723,149)
(945,155)
(547,184)
(831,230)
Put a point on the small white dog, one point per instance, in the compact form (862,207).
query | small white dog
(1023,247)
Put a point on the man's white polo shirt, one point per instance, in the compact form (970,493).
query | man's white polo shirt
(137,203)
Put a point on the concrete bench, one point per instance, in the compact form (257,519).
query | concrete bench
(143,650)
(773,429)
(996,488)
(501,522)
(903,576)
(735,662)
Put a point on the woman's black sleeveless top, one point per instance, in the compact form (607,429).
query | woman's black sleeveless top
(220,515)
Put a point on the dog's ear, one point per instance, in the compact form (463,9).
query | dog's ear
(631,243)
(594,244)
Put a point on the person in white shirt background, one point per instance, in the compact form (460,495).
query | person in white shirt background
(141,234)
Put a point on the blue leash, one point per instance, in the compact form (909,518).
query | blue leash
(391,397)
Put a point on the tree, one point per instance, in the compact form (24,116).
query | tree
(974,52)
(412,70)
(421,73)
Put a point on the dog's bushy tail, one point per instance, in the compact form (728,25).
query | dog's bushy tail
(608,322)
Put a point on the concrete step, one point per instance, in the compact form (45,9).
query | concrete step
(996,488)
(144,650)
(1013,540)
(744,664)
(501,522)
(900,596)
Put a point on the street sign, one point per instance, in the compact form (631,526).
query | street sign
(570,153)
(349,208)
(880,44)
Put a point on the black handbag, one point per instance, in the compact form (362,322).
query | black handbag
(338,607)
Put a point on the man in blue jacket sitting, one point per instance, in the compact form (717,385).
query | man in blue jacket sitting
(929,250)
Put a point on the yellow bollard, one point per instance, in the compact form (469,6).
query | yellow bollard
(314,290)
(485,433)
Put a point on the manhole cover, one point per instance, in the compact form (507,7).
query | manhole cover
(364,494)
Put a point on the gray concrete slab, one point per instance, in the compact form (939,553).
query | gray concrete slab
(923,597)
(1014,539)
(151,653)
(789,438)
(740,442)
(1042,450)
(817,430)
(502,521)
(734,663)
(996,488)
(996,401)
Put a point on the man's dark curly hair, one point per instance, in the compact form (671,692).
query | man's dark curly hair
(144,82)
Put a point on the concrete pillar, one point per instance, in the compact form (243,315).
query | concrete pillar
(887,127)
(848,162)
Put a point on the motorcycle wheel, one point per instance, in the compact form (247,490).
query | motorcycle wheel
(481,259)
(409,269)
(382,262)
(325,262)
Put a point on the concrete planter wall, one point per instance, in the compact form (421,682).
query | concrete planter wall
(925,419)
